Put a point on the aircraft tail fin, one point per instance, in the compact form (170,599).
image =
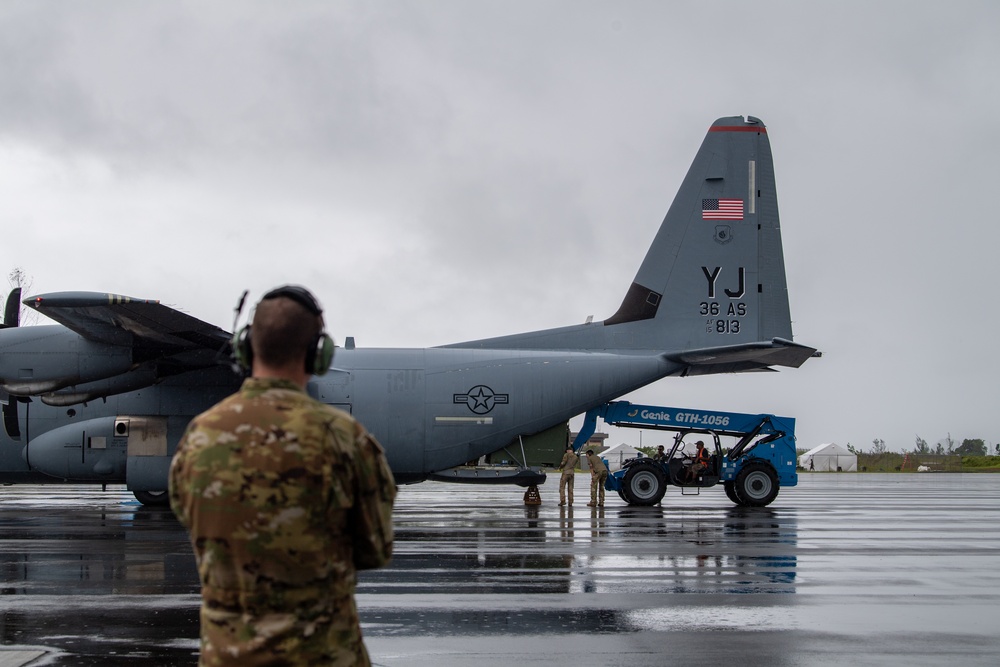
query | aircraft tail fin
(711,294)
(719,242)
(714,276)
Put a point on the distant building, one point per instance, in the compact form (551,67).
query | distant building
(596,443)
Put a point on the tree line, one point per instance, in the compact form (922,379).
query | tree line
(946,447)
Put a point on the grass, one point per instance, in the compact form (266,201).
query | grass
(896,462)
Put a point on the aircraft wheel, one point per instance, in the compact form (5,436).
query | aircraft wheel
(645,484)
(152,498)
(730,488)
(757,485)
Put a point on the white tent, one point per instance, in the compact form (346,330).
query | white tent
(829,457)
(617,455)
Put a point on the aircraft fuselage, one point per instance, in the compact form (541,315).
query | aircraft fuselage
(432,408)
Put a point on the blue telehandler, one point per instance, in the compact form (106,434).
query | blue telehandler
(751,471)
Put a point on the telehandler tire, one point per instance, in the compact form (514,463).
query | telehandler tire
(644,484)
(757,485)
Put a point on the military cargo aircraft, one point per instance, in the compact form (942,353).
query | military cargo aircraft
(104,395)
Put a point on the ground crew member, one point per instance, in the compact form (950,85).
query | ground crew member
(701,459)
(598,474)
(568,467)
(660,455)
(284,499)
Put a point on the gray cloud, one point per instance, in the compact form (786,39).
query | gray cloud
(452,170)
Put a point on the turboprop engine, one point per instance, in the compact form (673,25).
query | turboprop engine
(38,360)
(133,449)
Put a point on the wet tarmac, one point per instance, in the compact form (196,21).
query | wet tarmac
(843,569)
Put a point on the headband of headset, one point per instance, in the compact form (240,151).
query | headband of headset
(319,354)
(298,294)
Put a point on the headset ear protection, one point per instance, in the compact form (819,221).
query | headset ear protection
(319,353)
(242,352)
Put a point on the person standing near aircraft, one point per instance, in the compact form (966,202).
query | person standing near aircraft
(598,475)
(568,467)
(284,499)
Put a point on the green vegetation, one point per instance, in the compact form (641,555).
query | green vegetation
(981,463)
(945,456)
(909,462)
(972,447)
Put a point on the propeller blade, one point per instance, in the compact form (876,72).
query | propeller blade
(12,311)
(10,422)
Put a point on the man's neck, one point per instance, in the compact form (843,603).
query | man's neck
(295,374)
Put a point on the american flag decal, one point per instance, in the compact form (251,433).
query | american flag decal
(721,209)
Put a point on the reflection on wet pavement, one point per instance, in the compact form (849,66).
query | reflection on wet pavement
(839,569)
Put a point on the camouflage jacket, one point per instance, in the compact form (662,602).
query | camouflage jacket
(597,466)
(569,461)
(284,499)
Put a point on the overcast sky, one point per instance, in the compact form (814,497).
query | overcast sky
(440,171)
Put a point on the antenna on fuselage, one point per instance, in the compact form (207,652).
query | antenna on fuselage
(238,310)
(228,350)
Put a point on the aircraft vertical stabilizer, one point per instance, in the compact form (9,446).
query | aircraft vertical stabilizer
(715,270)
(711,293)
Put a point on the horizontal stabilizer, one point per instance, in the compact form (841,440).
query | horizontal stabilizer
(742,358)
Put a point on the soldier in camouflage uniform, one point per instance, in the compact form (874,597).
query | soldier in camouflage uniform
(598,475)
(284,499)
(568,467)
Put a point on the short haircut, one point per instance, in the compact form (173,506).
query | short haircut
(283,331)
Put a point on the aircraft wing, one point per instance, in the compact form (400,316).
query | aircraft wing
(151,329)
(742,358)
